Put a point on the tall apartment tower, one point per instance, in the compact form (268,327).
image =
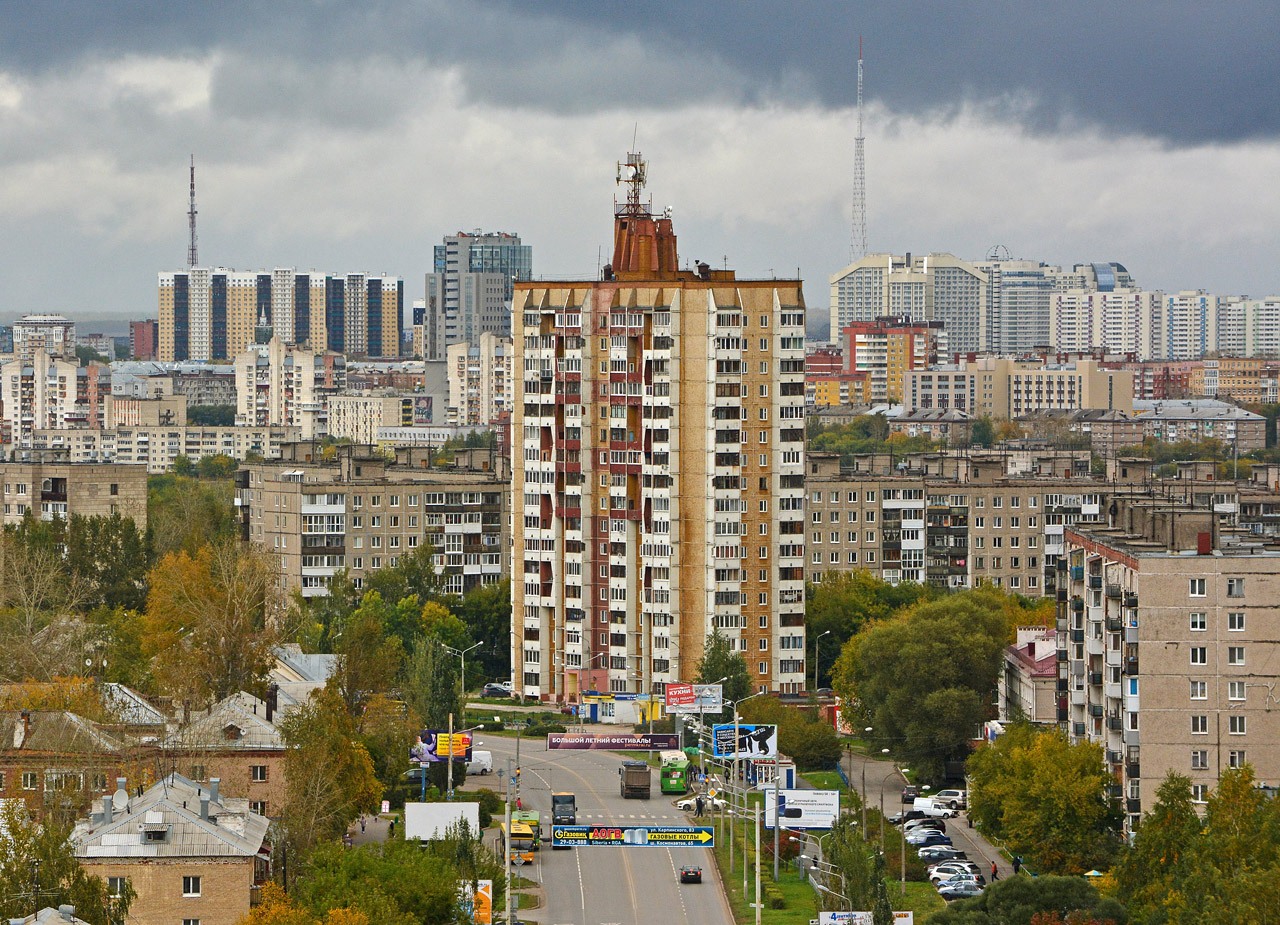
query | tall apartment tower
(659,471)
(469,293)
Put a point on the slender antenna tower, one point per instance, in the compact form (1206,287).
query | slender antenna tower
(858,245)
(192,257)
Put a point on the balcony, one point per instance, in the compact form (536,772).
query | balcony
(1115,791)
(1133,806)
(1095,582)
(1114,624)
(1077,636)
(1095,710)
(1077,729)
(1133,770)
(1115,724)
(1131,599)
(1077,573)
(1131,666)
(1095,678)
(1113,592)
(1114,757)
(1077,604)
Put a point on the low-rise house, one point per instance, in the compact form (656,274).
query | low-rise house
(1028,682)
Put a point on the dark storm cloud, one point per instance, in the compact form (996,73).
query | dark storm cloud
(1186,72)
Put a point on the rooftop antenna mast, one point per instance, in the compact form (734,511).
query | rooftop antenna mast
(192,257)
(858,245)
(633,173)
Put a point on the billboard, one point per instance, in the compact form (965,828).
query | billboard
(707,698)
(431,745)
(678,695)
(752,741)
(633,836)
(430,820)
(802,809)
(422,410)
(613,741)
(477,906)
(862,918)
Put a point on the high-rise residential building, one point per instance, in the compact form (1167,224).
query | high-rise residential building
(1119,321)
(480,384)
(48,486)
(999,387)
(216,314)
(1018,294)
(886,348)
(53,334)
(280,384)
(936,287)
(358,417)
(48,392)
(144,339)
(1189,324)
(658,431)
(1166,650)
(470,289)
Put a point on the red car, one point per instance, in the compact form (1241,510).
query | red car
(690,874)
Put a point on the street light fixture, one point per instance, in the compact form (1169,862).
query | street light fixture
(817,639)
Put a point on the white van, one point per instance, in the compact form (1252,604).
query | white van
(480,763)
(927,806)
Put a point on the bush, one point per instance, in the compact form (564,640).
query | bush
(490,805)
(813,746)
(773,898)
(544,729)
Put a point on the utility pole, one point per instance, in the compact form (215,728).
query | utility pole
(506,860)
(777,817)
(775,861)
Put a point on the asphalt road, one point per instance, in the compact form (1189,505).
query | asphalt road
(604,886)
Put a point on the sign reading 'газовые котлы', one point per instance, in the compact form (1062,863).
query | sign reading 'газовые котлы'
(609,741)
(632,836)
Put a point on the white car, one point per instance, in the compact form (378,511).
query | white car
(949,869)
(958,879)
(952,799)
(709,804)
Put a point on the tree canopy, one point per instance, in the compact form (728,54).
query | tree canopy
(844,602)
(721,660)
(1021,900)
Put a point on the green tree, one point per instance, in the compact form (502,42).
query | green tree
(112,557)
(413,574)
(855,861)
(25,843)
(486,611)
(211,415)
(720,660)
(187,513)
(983,432)
(216,466)
(386,731)
(844,602)
(923,680)
(368,657)
(1018,900)
(329,775)
(1151,873)
(1046,798)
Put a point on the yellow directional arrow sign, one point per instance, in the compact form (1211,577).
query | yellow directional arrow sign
(632,836)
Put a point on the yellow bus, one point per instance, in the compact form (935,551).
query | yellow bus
(521,842)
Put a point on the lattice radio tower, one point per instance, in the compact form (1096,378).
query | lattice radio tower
(193,258)
(858,244)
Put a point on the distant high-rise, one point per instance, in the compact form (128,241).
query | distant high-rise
(208,314)
(469,292)
(144,339)
(54,334)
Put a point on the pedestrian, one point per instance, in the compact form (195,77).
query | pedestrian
(1017,864)
(995,872)
(519,804)
(391,829)
(362,823)
(346,840)
(697,807)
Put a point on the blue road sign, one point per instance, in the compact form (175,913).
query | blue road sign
(632,836)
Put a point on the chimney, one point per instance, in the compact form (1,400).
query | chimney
(107,810)
(273,702)
(204,808)
(213,789)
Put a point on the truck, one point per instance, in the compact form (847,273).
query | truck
(564,811)
(634,780)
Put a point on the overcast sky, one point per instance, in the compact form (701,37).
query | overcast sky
(352,136)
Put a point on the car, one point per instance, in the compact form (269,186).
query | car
(941,853)
(907,816)
(494,689)
(952,799)
(909,793)
(945,874)
(964,890)
(690,873)
(914,824)
(927,839)
(709,804)
(956,866)
(962,877)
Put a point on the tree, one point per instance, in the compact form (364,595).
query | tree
(187,513)
(983,432)
(329,776)
(216,466)
(1046,798)
(24,844)
(486,611)
(431,685)
(211,415)
(1151,873)
(112,557)
(41,635)
(720,660)
(923,679)
(386,731)
(212,620)
(854,858)
(276,908)
(1018,900)
(413,574)
(844,602)
(368,659)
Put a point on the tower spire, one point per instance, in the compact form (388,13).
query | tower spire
(193,258)
(858,244)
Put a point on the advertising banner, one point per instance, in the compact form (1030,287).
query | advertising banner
(613,741)
(431,746)
(707,698)
(679,695)
(477,906)
(802,809)
(752,741)
(845,918)
(633,836)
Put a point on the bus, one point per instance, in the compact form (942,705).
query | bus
(522,845)
(674,775)
(533,820)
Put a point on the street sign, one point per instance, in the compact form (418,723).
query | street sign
(679,695)
(632,836)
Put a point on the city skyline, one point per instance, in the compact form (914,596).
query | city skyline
(1059,140)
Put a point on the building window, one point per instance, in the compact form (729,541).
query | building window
(1236,690)
(1199,759)
(764,668)
(1200,725)
(190,922)
(1199,655)
(1235,622)
(1235,587)
(1236,725)
(1236,759)
(1235,655)
(190,886)
(1199,690)
(258,772)
(1197,587)
(258,806)
(1199,793)
(1199,622)
(30,780)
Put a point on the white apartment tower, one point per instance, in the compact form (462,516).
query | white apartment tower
(658,432)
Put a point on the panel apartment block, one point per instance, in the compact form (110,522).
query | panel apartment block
(658,444)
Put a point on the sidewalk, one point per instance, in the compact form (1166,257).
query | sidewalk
(377,829)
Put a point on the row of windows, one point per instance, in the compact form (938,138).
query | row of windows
(1200,621)
(1236,690)
(1198,587)
(1235,655)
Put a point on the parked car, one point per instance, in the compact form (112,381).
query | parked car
(909,793)
(931,807)
(961,877)
(690,874)
(952,799)
(914,824)
(941,853)
(945,874)
(494,689)
(963,890)
(925,839)
(906,816)
(955,866)
(709,804)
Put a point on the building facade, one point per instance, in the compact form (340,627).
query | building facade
(883,350)
(62,489)
(51,334)
(280,384)
(47,391)
(1000,387)
(658,438)
(358,418)
(480,383)
(360,510)
(144,339)
(156,447)
(469,291)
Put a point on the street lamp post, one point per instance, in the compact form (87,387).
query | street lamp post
(817,639)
